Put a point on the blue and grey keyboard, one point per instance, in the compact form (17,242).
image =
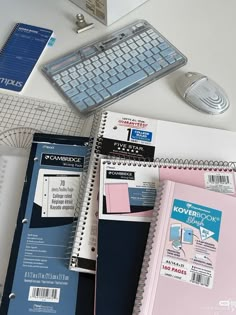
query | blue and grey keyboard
(100,73)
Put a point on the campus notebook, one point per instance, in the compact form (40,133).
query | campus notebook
(138,138)
(123,225)
(188,263)
(38,279)
(20,54)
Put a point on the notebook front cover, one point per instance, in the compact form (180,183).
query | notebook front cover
(193,265)
(38,278)
(20,54)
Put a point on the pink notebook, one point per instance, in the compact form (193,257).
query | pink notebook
(117,198)
(190,254)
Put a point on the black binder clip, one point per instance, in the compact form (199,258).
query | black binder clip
(82,25)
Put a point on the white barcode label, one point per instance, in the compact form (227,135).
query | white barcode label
(218,179)
(198,278)
(44,294)
(221,182)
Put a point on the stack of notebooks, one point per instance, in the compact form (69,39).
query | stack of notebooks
(148,228)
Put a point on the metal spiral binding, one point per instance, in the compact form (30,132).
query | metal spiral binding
(8,38)
(147,254)
(196,164)
(176,163)
(84,195)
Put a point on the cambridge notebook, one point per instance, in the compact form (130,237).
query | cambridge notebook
(189,260)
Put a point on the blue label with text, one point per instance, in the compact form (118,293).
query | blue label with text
(141,135)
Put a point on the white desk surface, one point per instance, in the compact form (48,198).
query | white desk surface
(204,31)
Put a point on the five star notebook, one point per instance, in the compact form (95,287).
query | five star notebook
(189,257)
(138,138)
(122,235)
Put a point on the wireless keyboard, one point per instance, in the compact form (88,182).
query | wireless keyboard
(100,73)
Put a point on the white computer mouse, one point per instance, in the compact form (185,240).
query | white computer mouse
(202,93)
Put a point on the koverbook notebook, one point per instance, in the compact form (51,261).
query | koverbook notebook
(190,271)
(139,138)
(122,236)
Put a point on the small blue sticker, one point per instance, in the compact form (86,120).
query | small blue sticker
(141,135)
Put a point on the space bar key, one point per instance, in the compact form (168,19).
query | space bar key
(125,83)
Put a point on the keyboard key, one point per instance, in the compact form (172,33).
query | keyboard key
(82,87)
(148,53)
(82,79)
(97,71)
(119,68)
(163,46)
(125,83)
(66,79)
(74,75)
(56,77)
(156,66)
(72,92)
(150,60)
(106,83)
(89,75)
(143,64)
(59,82)
(97,80)
(98,87)
(104,94)
(167,52)
(127,64)
(104,76)
(112,72)
(121,76)
(79,97)
(149,70)
(104,68)
(113,79)
(134,61)
(89,84)
(135,68)
(90,91)
(66,87)
(64,73)
(128,72)
(89,101)
(97,98)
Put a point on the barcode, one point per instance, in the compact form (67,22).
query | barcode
(44,294)
(200,279)
(218,179)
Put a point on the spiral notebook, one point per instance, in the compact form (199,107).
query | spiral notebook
(122,236)
(20,54)
(192,276)
(138,138)
(38,279)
